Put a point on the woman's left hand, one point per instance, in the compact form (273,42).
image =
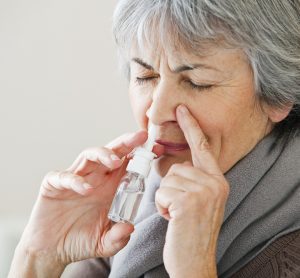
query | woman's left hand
(192,198)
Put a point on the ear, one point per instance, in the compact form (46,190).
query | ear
(276,114)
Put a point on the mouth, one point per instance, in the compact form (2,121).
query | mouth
(173,147)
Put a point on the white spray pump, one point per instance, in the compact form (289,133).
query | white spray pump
(132,186)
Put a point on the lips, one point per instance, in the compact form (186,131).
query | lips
(171,146)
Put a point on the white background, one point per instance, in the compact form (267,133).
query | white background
(61,91)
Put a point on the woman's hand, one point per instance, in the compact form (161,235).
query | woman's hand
(69,220)
(192,197)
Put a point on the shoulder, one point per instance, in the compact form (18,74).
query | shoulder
(279,259)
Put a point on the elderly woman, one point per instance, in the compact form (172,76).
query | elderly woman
(221,81)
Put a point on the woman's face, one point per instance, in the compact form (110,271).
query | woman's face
(218,90)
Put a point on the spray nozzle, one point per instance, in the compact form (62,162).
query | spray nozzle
(143,156)
(151,137)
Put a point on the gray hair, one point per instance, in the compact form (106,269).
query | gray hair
(268,31)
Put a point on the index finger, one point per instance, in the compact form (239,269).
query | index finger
(127,142)
(118,148)
(200,149)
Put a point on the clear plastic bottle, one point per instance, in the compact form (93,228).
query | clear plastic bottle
(128,198)
(130,191)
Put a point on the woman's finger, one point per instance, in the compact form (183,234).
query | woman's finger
(100,156)
(190,172)
(124,144)
(108,155)
(112,155)
(56,180)
(116,238)
(172,202)
(188,178)
(186,185)
(164,198)
(200,149)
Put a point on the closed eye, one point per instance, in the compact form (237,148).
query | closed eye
(142,80)
(198,87)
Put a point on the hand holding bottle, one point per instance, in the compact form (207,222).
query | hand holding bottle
(132,186)
(69,220)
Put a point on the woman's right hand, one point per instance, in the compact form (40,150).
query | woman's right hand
(69,220)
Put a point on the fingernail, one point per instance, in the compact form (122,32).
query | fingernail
(114,157)
(182,109)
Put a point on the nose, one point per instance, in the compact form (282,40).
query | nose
(165,99)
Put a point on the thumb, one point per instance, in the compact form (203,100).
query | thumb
(116,238)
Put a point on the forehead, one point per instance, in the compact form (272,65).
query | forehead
(220,57)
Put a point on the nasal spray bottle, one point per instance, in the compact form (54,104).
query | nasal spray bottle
(132,186)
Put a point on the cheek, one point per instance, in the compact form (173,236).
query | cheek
(140,103)
(216,115)
(226,113)
(209,114)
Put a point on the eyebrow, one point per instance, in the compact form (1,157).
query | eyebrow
(178,69)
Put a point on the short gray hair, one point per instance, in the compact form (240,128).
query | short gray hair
(268,31)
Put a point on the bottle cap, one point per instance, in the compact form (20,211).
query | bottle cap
(143,156)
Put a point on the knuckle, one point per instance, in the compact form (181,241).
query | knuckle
(63,174)
(102,149)
(83,155)
(84,152)
(158,194)
(175,167)
(101,152)
(167,180)
(160,191)
(48,179)
(92,150)
(96,152)
(87,151)
(75,179)
(48,176)
(202,144)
